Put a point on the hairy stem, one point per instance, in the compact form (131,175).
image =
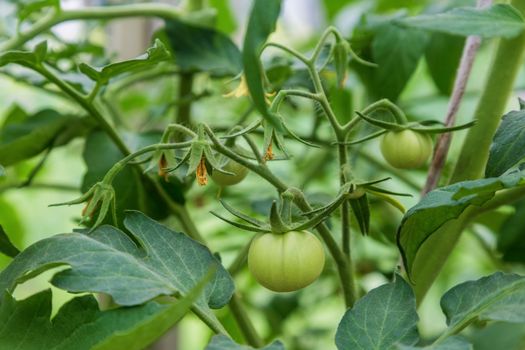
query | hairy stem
(345,207)
(490,109)
(474,154)
(248,330)
(88,107)
(340,135)
(443,141)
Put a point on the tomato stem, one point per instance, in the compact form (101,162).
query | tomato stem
(474,154)
(94,12)
(387,105)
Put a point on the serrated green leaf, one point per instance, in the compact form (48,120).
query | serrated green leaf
(442,205)
(396,51)
(154,55)
(500,20)
(498,297)
(200,49)
(222,342)
(23,140)
(508,145)
(108,261)
(263,18)
(79,324)
(151,328)
(442,55)
(384,317)
(6,247)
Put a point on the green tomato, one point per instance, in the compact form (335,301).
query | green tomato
(231,166)
(286,262)
(406,149)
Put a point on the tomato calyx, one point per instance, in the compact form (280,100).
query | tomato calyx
(198,154)
(273,137)
(99,198)
(424,127)
(280,215)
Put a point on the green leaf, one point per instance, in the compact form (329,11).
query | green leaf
(108,261)
(499,335)
(511,236)
(501,20)
(14,115)
(200,49)
(442,205)
(6,247)
(450,343)
(263,18)
(154,55)
(79,324)
(508,145)
(396,51)
(498,297)
(225,18)
(28,59)
(384,317)
(222,342)
(11,223)
(25,139)
(443,54)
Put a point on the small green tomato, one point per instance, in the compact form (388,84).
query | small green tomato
(406,149)
(231,166)
(286,262)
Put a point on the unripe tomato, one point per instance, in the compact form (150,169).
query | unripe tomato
(231,166)
(286,262)
(406,149)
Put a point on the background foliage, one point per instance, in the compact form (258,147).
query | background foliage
(52,150)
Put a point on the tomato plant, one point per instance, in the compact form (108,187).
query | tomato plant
(109,139)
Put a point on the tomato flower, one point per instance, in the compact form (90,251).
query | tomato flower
(242,90)
(201,173)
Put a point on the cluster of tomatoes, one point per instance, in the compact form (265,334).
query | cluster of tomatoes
(292,260)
